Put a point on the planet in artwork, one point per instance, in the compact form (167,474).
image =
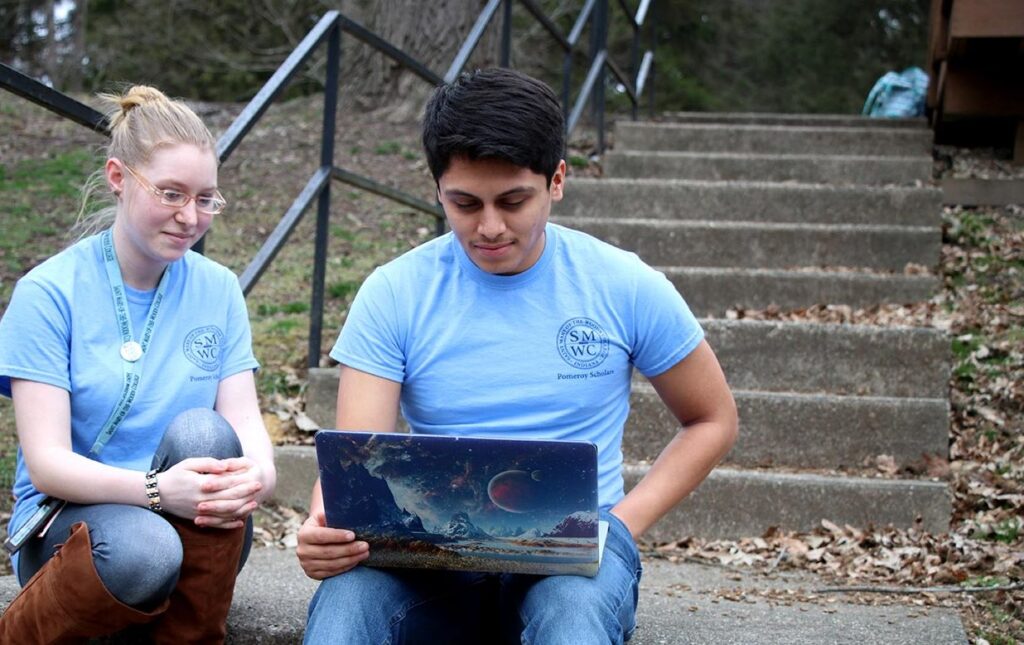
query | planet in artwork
(516,491)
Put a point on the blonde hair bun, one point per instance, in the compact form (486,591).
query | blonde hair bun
(143,119)
(139,95)
(119,105)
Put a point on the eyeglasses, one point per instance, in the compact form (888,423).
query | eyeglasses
(209,204)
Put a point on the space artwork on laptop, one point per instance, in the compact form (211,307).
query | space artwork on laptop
(461,503)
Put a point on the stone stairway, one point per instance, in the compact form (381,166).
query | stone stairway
(748,211)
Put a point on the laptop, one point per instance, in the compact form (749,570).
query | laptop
(465,503)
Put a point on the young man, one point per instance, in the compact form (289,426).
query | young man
(513,326)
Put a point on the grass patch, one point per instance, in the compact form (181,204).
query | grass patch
(283,327)
(578,161)
(965,345)
(388,148)
(342,233)
(296,307)
(41,199)
(971,229)
(985,581)
(341,290)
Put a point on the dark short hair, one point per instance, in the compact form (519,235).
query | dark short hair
(494,113)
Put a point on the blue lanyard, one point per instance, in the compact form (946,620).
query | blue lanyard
(131,352)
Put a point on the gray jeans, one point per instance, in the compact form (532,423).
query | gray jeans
(136,551)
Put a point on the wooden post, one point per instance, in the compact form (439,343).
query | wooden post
(1018,146)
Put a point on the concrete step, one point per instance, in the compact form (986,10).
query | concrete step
(791,430)
(869,390)
(804,430)
(759,245)
(765,139)
(785,357)
(817,120)
(809,168)
(711,291)
(679,604)
(855,360)
(733,502)
(751,201)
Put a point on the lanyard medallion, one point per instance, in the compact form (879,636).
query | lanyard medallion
(131,351)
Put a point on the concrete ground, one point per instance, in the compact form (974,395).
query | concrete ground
(679,603)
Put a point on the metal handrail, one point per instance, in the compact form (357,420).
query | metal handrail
(629,14)
(586,90)
(275,85)
(314,186)
(57,102)
(545,22)
(383,190)
(472,40)
(405,60)
(328,29)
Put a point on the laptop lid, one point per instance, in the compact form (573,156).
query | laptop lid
(465,503)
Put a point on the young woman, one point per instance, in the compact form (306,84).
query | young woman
(130,364)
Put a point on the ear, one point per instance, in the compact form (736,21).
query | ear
(558,181)
(114,171)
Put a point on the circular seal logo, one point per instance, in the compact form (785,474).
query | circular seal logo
(202,347)
(582,343)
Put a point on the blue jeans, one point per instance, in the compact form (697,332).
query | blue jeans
(137,552)
(386,606)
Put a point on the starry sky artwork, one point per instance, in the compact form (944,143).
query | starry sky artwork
(505,486)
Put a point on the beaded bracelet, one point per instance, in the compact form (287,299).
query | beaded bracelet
(152,492)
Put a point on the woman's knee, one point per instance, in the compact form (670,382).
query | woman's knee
(199,432)
(138,558)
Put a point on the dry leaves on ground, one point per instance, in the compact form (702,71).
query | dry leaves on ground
(982,307)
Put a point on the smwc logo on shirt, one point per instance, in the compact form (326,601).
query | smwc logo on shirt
(582,343)
(202,347)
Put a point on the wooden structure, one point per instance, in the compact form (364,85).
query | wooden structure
(976,60)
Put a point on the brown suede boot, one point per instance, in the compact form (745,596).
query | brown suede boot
(199,604)
(66,602)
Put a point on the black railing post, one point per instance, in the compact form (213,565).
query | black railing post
(634,63)
(506,35)
(566,86)
(595,48)
(652,31)
(316,310)
(601,33)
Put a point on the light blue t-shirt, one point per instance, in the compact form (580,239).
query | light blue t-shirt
(547,353)
(61,329)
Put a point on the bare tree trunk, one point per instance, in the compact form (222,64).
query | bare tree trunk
(50,57)
(73,65)
(430,32)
